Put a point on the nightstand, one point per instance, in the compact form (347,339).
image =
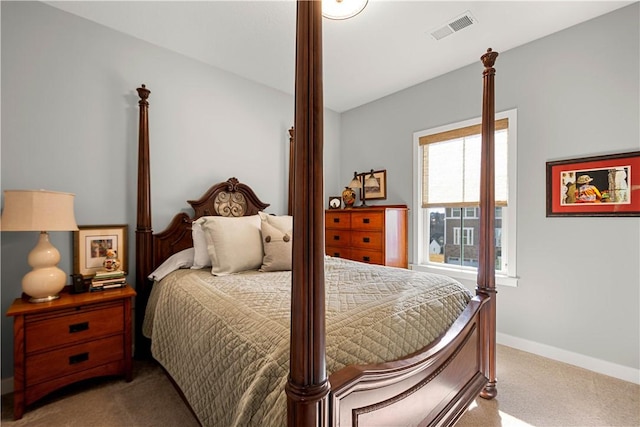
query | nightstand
(73,338)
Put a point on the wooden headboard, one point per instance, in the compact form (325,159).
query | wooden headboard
(229,198)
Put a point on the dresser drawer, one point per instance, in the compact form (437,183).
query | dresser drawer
(367,220)
(367,240)
(340,220)
(337,237)
(71,326)
(68,360)
(338,252)
(370,257)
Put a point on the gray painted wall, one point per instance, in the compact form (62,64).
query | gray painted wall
(70,123)
(577,95)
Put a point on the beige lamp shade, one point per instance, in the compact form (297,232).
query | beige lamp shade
(40,210)
(355,182)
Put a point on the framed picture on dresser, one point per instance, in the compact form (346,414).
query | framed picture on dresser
(371,192)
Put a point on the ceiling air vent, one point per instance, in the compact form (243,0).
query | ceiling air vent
(454,25)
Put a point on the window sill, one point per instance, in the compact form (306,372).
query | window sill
(456,273)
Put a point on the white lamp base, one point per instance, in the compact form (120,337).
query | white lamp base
(46,280)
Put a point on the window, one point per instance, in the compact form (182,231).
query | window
(446,198)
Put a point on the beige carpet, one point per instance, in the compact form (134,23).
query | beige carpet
(532,391)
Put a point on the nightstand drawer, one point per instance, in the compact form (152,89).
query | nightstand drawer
(367,240)
(338,220)
(84,324)
(68,360)
(370,257)
(337,237)
(367,220)
(338,252)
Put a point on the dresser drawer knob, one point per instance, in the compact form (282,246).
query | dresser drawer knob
(336,254)
(336,237)
(78,327)
(366,220)
(366,259)
(336,220)
(366,239)
(78,358)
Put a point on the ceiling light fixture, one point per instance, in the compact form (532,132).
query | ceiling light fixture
(342,9)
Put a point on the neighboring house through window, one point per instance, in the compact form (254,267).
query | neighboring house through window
(447,194)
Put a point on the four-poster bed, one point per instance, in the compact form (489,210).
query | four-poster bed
(429,385)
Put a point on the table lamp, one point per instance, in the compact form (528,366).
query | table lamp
(43,211)
(369,182)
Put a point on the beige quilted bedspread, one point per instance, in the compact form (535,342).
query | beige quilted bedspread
(225,340)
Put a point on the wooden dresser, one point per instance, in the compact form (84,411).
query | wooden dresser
(376,234)
(75,337)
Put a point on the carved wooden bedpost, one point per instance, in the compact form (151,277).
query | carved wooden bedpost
(308,386)
(144,233)
(291,168)
(486,260)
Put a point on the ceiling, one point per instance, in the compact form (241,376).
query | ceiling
(386,48)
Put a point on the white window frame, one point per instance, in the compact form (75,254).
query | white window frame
(510,212)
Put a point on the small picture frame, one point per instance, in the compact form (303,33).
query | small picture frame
(606,185)
(90,244)
(335,202)
(379,193)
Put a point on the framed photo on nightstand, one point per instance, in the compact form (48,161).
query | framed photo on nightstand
(90,245)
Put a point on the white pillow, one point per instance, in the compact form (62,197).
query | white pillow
(277,246)
(201,257)
(234,243)
(182,259)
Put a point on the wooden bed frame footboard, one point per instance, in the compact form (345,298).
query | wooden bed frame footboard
(431,387)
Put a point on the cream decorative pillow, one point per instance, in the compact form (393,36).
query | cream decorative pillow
(201,256)
(281,222)
(234,243)
(277,241)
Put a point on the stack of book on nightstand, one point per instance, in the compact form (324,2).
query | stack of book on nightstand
(107,280)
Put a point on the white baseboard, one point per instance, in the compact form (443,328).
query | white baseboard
(596,365)
(7,385)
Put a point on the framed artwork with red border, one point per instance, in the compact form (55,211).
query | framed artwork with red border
(606,185)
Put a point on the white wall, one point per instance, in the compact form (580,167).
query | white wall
(577,95)
(70,123)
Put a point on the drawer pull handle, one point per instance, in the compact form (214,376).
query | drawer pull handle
(336,237)
(78,358)
(366,259)
(365,220)
(336,254)
(336,220)
(365,239)
(78,327)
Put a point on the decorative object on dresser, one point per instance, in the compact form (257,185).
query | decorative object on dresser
(335,202)
(348,197)
(92,244)
(375,235)
(43,211)
(74,338)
